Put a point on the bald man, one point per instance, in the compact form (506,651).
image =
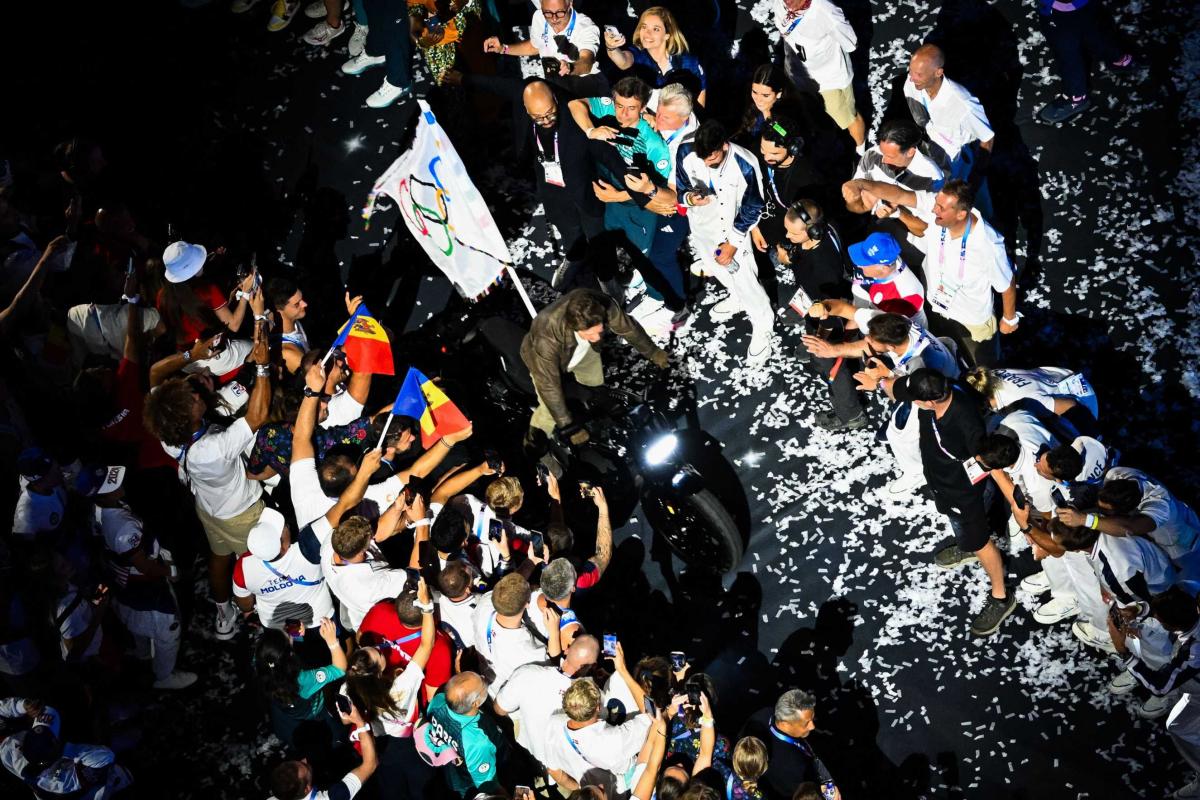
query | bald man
(564,173)
(951,117)
(456,721)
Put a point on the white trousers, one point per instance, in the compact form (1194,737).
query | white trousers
(1071,575)
(905,443)
(742,285)
(1183,723)
(154,632)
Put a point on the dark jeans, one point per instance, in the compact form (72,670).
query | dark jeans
(388,35)
(845,398)
(975,354)
(1079,37)
(666,281)
(575,225)
(402,773)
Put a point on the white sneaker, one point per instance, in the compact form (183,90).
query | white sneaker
(1192,790)
(242,6)
(724,310)
(1037,583)
(176,680)
(1087,633)
(759,350)
(315,9)
(321,34)
(281,14)
(361,63)
(1123,683)
(907,483)
(358,40)
(226,623)
(1056,609)
(1156,706)
(387,94)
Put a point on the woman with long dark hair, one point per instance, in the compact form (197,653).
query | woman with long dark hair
(295,692)
(771,94)
(389,702)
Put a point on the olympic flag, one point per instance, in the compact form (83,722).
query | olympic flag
(444,211)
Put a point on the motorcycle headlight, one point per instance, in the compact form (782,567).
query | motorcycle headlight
(659,451)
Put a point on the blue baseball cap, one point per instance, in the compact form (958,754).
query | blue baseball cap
(876,249)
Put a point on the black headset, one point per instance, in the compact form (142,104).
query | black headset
(793,143)
(815,227)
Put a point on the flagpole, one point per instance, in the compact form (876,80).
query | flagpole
(383,435)
(520,287)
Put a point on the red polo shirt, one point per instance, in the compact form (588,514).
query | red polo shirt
(382,622)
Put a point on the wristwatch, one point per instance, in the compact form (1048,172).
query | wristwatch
(311,392)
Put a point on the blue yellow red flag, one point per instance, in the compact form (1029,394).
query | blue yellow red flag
(421,399)
(366,343)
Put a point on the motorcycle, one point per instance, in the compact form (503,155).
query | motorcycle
(634,452)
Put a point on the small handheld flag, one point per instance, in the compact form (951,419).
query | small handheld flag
(365,343)
(421,399)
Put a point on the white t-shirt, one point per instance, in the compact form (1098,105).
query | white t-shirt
(460,616)
(405,691)
(956,118)
(38,513)
(1177,528)
(342,410)
(580,31)
(213,468)
(481,521)
(362,585)
(1042,385)
(345,790)
(292,580)
(75,623)
(531,696)
(1033,438)
(960,277)
(610,747)
(310,502)
(504,648)
(826,39)
(566,620)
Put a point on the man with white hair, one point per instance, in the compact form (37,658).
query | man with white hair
(791,761)
(535,692)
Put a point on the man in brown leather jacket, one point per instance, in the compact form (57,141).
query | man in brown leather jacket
(562,340)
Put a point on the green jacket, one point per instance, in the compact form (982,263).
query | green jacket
(478,740)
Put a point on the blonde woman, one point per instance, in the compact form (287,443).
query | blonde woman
(749,764)
(659,53)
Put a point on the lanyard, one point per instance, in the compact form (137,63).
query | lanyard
(394,644)
(570,741)
(774,189)
(915,348)
(962,252)
(729,787)
(183,451)
(297,581)
(783,737)
(937,435)
(491,622)
(675,134)
(546,29)
(541,152)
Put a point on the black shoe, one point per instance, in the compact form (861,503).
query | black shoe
(1062,109)
(680,317)
(952,556)
(994,612)
(833,423)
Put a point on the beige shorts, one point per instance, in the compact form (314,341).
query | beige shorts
(228,536)
(839,104)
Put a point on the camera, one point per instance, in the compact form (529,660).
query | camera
(565,47)
(494,462)
(1079,496)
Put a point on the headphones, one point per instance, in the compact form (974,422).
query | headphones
(814,227)
(794,144)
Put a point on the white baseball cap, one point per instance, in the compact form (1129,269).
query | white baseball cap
(113,478)
(183,260)
(266,536)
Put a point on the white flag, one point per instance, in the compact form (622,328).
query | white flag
(443,210)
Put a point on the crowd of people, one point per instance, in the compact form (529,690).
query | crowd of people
(172,410)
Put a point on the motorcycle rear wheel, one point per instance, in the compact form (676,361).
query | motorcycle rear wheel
(697,527)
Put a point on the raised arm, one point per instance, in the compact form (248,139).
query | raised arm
(428,461)
(32,285)
(457,483)
(259,406)
(306,417)
(604,535)
(166,367)
(354,493)
(885,191)
(428,629)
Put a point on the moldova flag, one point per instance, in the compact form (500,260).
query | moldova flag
(365,343)
(422,400)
